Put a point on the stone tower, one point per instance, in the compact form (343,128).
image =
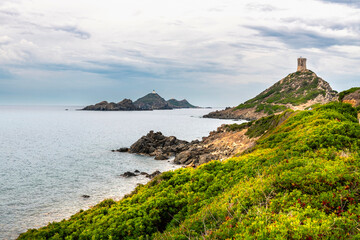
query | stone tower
(301,64)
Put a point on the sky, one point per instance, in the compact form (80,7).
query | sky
(211,52)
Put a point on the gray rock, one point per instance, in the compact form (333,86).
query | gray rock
(128,174)
(154,174)
(161,157)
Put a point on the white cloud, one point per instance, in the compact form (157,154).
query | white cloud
(222,41)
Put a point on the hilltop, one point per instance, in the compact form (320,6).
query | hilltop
(151,101)
(299,181)
(298,91)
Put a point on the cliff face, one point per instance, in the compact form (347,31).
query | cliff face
(296,91)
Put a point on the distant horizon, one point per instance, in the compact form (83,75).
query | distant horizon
(210,53)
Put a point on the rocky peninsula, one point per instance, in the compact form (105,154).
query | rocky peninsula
(297,91)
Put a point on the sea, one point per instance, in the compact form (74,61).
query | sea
(51,156)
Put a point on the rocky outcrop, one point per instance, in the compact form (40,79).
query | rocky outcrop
(220,144)
(296,91)
(124,105)
(352,96)
(156,144)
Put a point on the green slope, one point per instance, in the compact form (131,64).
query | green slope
(295,89)
(300,182)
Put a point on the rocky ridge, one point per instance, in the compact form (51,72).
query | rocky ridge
(296,91)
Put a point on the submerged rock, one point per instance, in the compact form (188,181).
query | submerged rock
(123,149)
(128,174)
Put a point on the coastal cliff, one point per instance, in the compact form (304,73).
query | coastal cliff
(299,180)
(296,91)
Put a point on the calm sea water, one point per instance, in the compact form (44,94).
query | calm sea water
(50,157)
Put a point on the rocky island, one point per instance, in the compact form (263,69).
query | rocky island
(151,101)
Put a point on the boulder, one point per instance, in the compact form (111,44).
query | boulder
(154,174)
(183,157)
(156,144)
(161,157)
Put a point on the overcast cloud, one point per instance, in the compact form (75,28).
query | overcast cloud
(216,53)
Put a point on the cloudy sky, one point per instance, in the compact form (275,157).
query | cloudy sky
(212,52)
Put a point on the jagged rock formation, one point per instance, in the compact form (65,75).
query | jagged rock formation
(296,91)
(151,101)
(156,144)
(180,104)
(124,105)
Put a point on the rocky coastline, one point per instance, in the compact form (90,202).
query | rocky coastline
(220,144)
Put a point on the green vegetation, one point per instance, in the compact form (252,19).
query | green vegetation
(346,92)
(238,127)
(301,181)
(295,89)
(263,125)
(180,104)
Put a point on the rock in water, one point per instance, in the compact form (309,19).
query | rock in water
(156,144)
(124,149)
(154,174)
(128,174)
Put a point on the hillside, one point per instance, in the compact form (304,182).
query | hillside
(296,91)
(180,104)
(300,181)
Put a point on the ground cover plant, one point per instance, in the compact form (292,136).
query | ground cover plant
(301,181)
